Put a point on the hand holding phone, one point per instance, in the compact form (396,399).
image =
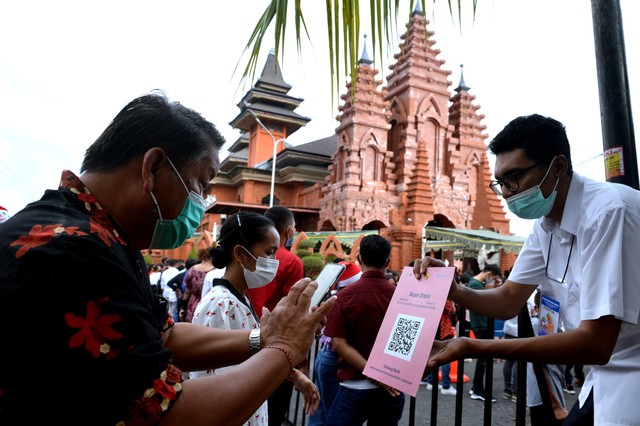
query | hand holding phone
(327,278)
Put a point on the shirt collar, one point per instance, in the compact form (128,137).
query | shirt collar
(570,221)
(97,214)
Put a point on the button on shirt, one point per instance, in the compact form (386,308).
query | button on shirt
(603,278)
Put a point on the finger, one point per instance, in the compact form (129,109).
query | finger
(304,301)
(416,268)
(297,289)
(324,309)
(428,368)
(264,319)
(424,265)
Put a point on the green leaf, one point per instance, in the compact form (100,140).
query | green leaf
(343,18)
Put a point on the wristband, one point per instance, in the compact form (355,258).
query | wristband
(288,358)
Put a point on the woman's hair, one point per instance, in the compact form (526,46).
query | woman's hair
(243,228)
(203,255)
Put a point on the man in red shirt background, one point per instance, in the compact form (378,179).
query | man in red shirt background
(353,325)
(290,270)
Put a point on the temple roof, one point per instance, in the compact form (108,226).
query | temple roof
(316,154)
(462,85)
(271,77)
(364,59)
(269,100)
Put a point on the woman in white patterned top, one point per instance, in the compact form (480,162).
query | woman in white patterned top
(246,248)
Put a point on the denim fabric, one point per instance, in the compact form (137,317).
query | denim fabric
(325,377)
(375,406)
(446,376)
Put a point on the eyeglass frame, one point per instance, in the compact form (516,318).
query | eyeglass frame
(546,269)
(497,184)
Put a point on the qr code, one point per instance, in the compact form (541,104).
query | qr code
(404,336)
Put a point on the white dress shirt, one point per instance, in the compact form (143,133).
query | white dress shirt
(603,278)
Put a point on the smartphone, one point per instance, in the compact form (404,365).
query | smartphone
(327,278)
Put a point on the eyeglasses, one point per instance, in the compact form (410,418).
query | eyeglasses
(509,181)
(546,269)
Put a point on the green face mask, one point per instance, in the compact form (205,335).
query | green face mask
(531,204)
(170,234)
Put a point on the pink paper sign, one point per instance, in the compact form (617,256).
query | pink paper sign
(401,350)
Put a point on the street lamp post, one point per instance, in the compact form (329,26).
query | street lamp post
(273,161)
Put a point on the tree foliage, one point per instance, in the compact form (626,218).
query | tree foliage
(343,18)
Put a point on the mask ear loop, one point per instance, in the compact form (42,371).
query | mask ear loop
(545,176)
(153,197)
(548,170)
(178,174)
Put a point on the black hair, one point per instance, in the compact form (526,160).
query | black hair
(374,251)
(281,216)
(243,228)
(541,138)
(152,121)
(494,269)
(465,277)
(190,262)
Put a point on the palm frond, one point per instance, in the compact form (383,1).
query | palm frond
(343,30)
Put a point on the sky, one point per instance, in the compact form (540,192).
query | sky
(68,67)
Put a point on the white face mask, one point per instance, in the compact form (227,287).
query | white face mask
(265,272)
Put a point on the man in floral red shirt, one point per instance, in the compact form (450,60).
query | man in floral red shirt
(446,330)
(86,341)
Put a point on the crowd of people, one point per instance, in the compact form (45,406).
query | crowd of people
(225,339)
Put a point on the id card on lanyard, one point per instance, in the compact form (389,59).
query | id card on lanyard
(555,294)
(549,315)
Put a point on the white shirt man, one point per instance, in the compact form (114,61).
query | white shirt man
(601,279)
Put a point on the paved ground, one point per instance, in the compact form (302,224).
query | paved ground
(503,412)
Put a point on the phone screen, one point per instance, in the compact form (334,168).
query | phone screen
(327,278)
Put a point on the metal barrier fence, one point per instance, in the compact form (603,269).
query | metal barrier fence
(297,417)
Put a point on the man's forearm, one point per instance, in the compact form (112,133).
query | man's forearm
(196,347)
(591,343)
(348,353)
(503,302)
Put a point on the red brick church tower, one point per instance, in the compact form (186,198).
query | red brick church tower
(410,153)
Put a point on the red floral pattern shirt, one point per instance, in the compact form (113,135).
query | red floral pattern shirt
(77,300)
(447,329)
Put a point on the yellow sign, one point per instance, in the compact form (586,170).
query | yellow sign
(613,162)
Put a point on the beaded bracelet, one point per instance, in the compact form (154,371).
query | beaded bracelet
(288,358)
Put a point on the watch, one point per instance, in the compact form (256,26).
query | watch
(254,341)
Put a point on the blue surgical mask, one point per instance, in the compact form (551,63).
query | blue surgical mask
(531,204)
(170,234)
